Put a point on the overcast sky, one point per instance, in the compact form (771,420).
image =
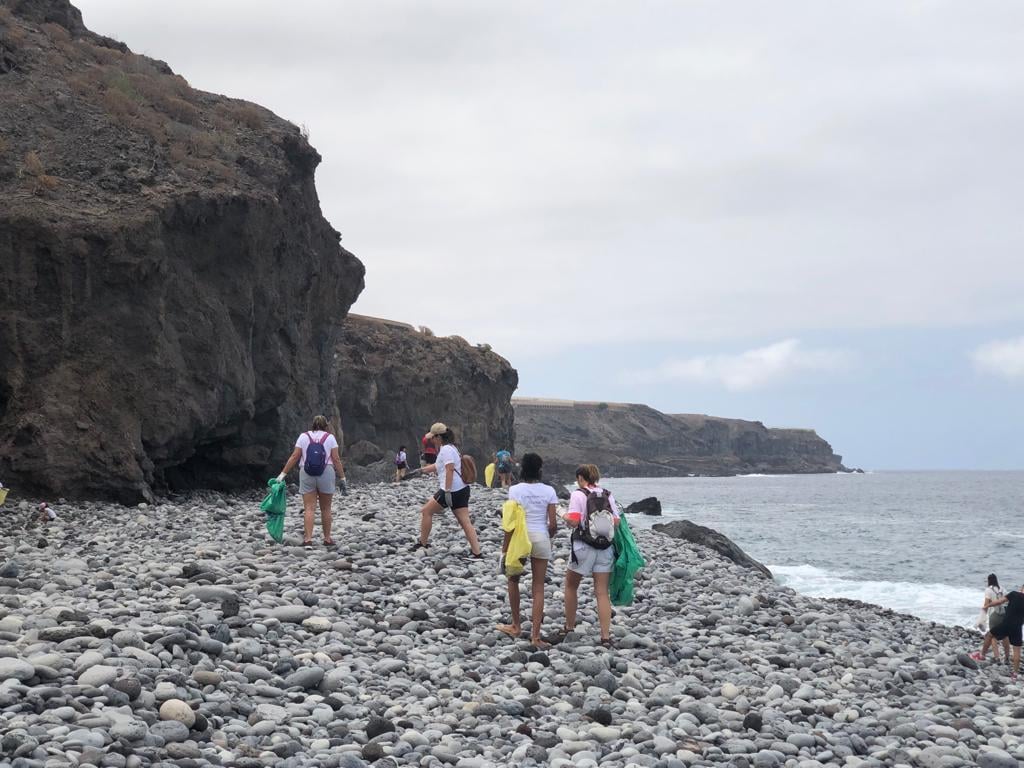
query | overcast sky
(805,213)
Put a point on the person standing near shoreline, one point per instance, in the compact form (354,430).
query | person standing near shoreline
(540,501)
(1011,626)
(993,617)
(593,515)
(320,468)
(453,493)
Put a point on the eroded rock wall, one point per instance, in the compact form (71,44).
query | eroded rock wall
(170,293)
(394,381)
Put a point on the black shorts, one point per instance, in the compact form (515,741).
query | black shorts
(460,499)
(504,469)
(1009,629)
(400,465)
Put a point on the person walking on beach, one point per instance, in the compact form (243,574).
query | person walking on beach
(992,616)
(400,463)
(540,501)
(1011,625)
(320,467)
(429,455)
(453,493)
(503,466)
(593,515)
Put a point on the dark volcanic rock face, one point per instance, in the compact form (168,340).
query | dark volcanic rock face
(169,292)
(709,537)
(638,441)
(394,382)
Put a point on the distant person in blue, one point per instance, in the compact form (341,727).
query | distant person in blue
(1010,627)
(503,466)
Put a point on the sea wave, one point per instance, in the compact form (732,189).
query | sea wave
(941,603)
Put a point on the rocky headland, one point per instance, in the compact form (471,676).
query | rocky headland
(637,441)
(394,381)
(180,634)
(170,292)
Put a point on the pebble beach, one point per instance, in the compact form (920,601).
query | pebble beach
(180,634)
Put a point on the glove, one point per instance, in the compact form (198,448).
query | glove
(448,500)
(343,486)
(280,478)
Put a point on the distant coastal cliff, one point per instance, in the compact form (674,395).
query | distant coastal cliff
(636,440)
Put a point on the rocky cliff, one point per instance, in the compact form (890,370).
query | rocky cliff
(394,381)
(638,441)
(169,292)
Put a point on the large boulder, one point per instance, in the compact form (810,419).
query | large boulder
(648,506)
(712,539)
(170,292)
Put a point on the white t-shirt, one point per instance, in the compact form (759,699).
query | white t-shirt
(578,509)
(303,443)
(535,498)
(400,458)
(449,454)
(994,593)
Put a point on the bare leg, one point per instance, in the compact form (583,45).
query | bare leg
(308,507)
(604,604)
(988,641)
(430,509)
(516,626)
(539,573)
(1016,659)
(572,586)
(325,515)
(1006,649)
(462,515)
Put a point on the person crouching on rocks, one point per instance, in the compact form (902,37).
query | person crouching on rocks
(540,501)
(453,493)
(593,515)
(320,467)
(1011,625)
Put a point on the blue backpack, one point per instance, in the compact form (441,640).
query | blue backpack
(316,456)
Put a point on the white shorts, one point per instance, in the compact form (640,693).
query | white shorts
(592,560)
(540,544)
(324,483)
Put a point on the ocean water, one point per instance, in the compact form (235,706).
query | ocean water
(921,543)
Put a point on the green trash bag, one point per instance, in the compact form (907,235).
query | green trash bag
(274,505)
(628,561)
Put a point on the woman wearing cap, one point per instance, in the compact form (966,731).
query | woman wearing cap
(320,487)
(453,493)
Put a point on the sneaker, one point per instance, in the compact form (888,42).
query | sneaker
(473,558)
(417,546)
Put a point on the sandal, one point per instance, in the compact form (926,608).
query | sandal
(606,642)
(540,645)
(308,544)
(509,630)
(559,635)
(328,542)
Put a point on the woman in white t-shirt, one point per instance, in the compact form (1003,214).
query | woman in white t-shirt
(992,615)
(540,501)
(317,484)
(453,493)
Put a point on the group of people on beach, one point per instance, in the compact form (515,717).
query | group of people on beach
(1002,621)
(592,515)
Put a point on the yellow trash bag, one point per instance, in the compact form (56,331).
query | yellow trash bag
(513,520)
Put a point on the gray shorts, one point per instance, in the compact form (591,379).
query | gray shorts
(593,560)
(540,544)
(324,483)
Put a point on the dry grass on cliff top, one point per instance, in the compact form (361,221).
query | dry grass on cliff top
(86,109)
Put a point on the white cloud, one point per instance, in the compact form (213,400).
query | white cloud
(1002,358)
(753,369)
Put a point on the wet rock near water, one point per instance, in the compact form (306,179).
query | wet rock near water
(649,506)
(713,540)
(180,634)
